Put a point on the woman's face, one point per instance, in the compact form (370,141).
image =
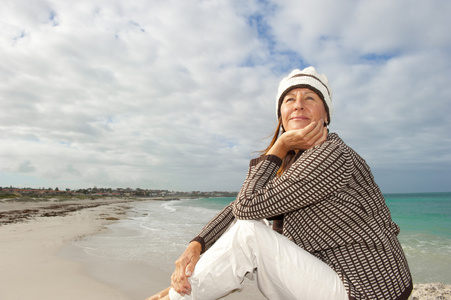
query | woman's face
(300,107)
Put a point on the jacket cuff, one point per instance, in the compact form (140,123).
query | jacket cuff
(272,158)
(201,241)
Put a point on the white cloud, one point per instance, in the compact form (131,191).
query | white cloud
(26,167)
(178,94)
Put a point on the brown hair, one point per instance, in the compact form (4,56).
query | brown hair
(285,162)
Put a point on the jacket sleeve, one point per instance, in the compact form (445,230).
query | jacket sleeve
(317,174)
(214,229)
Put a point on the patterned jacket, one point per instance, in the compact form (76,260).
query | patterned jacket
(332,208)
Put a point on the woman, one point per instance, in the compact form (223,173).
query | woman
(338,240)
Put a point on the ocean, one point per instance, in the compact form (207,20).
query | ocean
(157,232)
(425,222)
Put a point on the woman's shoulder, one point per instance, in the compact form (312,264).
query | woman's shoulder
(334,139)
(333,147)
(332,143)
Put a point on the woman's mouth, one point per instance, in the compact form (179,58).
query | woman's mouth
(298,118)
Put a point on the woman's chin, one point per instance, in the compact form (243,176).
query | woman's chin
(297,126)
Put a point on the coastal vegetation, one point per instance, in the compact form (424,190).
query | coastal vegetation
(41,194)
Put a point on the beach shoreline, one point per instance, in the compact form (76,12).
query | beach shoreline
(33,233)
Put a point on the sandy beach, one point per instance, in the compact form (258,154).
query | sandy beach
(32,235)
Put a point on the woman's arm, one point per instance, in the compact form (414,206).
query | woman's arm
(214,229)
(187,261)
(318,173)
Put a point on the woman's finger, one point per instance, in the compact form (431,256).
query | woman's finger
(178,279)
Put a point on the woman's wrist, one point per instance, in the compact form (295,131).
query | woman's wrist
(278,149)
(196,246)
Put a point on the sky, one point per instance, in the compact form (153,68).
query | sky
(180,94)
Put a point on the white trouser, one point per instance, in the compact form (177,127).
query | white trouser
(284,270)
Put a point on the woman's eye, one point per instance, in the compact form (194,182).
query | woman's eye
(289,99)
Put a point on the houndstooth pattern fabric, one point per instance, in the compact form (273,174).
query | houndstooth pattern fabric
(332,208)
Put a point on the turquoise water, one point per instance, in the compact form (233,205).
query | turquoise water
(425,222)
(422,213)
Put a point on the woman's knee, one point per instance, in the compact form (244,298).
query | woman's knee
(251,224)
(249,227)
(251,230)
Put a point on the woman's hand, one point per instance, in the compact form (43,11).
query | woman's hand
(184,268)
(300,139)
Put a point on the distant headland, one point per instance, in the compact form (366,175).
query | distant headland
(94,193)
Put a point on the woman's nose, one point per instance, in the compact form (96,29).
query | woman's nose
(299,104)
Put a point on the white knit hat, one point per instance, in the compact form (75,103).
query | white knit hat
(306,78)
